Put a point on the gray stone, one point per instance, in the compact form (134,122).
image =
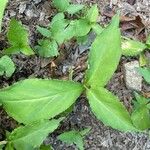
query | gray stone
(132,78)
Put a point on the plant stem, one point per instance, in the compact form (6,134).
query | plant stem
(3,142)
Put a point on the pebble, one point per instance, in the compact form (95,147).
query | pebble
(133,80)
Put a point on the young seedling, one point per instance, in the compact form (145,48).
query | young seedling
(18,39)
(74,137)
(61,30)
(7,66)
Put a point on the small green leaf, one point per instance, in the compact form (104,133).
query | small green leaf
(148,42)
(44,31)
(143,60)
(109,110)
(7,66)
(39,98)
(57,30)
(145,72)
(132,47)
(74,8)
(47,48)
(85,131)
(104,55)
(2,8)
(31,136)
(18,39)
(61,5)
(74,137)
(57,17)
(141,116)
(81,27)
(92,14)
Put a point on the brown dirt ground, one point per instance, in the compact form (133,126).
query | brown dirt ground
(37,12)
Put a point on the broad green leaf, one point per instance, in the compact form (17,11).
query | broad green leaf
(2,8)
(109,110)
(34,99)
(140,115)
(132,47)
(18,38)
(74,8)
(92,14)
(32,136)
(104,55)
(44,31)
(7,66)
(145,72)
(61,5)
(97,29)
(74,137)
(47,48)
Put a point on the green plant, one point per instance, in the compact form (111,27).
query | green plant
(7,67)
(135,48)
(32,102)
(65,6)
(18,39)
(61,30)
(56,96)
(2,8)
(74,137)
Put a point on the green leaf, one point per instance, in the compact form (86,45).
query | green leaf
(45,32)
(104,55)
(143,60)
(61,5)
(74,8)
(109,110)
(18,38)
(97,29)
(31,136)
(92,14)
(57,30)
(145,72)
(47,48)
(141,116)
(81,27)
(57,17)
(46,147)
(2,8)
(39,98)
(132,47)
(7,66)
(148,42)
(74,137)
(85,131)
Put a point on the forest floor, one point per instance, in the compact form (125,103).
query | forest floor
(135,23)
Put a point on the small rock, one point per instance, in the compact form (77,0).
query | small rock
(132,78)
